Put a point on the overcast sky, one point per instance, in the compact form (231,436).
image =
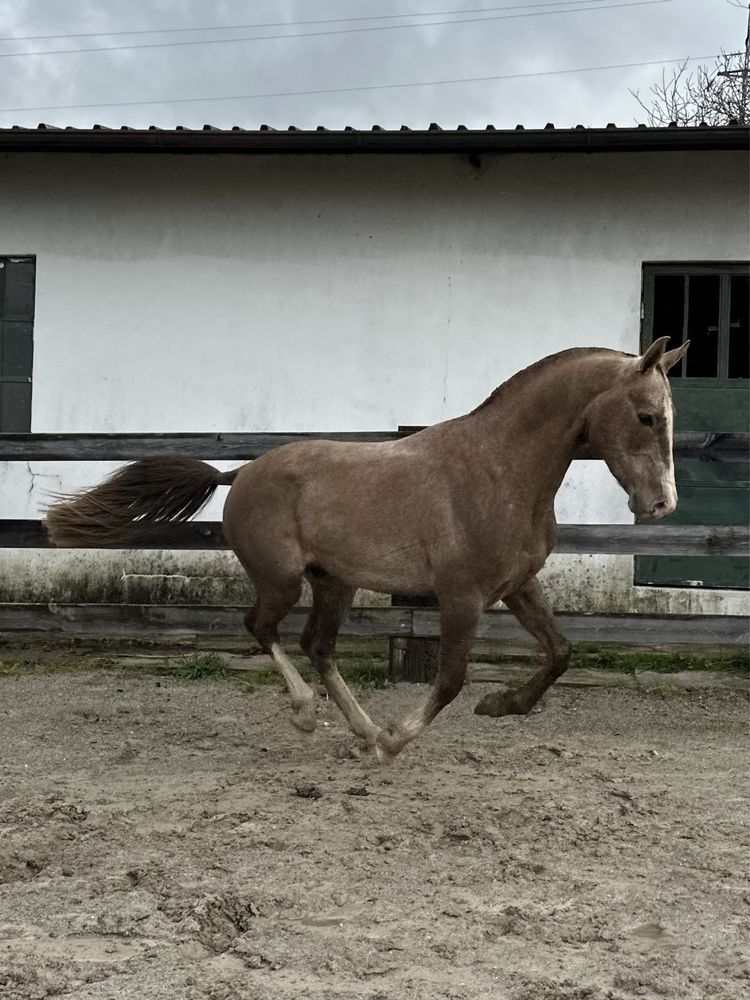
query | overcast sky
(334,56)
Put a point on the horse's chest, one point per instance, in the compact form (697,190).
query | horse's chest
(518,559)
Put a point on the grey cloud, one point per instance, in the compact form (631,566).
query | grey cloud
(523,45)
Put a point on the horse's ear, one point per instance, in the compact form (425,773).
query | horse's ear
(671,358)
(653,355)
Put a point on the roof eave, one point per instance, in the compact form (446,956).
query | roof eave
(467,141)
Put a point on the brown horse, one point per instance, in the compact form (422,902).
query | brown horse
(462,510)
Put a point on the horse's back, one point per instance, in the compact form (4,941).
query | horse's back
(357,509)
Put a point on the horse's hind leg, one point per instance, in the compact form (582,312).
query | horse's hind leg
(530,607)
(332,598)
(275,600)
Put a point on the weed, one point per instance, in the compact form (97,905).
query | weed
(201,665)
(371,672)
(9,668)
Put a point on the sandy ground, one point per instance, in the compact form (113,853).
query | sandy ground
(166,839)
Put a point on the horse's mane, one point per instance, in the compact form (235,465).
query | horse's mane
(551,361)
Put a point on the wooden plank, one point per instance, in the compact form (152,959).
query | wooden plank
(243,447)
(126,447)
(654,539)
(137,619)
(633,629)
(617,539)
(22,534)
(192,535)
(733,446)
(724,447)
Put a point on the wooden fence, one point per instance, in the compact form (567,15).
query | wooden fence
(416,619)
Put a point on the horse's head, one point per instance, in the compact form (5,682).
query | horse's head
(630,427)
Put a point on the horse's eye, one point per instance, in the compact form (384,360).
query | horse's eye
(646,419)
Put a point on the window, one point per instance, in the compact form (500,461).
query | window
(708,305)
(739,331)
(17,280)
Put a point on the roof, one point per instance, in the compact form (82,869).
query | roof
(640,138)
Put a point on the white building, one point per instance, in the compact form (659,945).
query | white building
(321,281)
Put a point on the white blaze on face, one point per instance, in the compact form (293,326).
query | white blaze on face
(670,487)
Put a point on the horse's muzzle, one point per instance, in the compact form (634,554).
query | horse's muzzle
(652,509)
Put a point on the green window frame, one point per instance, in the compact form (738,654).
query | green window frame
(17,299)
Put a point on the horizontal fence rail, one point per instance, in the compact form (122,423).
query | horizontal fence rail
(246,446)
(187,620)
(127,447)
(611,539)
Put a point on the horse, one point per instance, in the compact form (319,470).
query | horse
(462,510)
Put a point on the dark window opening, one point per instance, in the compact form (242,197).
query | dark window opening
(17,285)
(739,329)
(703,325)
(669,311)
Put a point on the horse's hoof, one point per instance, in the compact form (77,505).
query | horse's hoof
(386,746)
(383,755)
(304,718)
(498,704)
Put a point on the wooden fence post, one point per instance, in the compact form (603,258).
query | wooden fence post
(412,658)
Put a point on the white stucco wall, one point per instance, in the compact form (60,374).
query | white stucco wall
(231,293)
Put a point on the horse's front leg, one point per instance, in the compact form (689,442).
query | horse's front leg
(458,622)
(530,607)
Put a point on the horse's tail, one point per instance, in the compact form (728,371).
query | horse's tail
(133,501)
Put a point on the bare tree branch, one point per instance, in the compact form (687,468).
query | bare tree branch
(711,96)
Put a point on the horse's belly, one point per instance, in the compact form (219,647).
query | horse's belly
(386,564)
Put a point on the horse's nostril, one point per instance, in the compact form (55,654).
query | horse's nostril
(660,508)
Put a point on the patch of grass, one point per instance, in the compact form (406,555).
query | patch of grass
(53,665)
(359,672)
(201,665)
(370,672)
(660,661)
(10,668)
(254,679)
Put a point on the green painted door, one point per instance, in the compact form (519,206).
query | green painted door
(17,275)
(707,304)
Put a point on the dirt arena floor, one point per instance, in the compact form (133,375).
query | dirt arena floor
(163,838)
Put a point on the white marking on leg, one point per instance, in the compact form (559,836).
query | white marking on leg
(301,694)
(389,743)
(359,721)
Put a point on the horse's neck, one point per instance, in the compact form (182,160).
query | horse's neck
(531,427)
